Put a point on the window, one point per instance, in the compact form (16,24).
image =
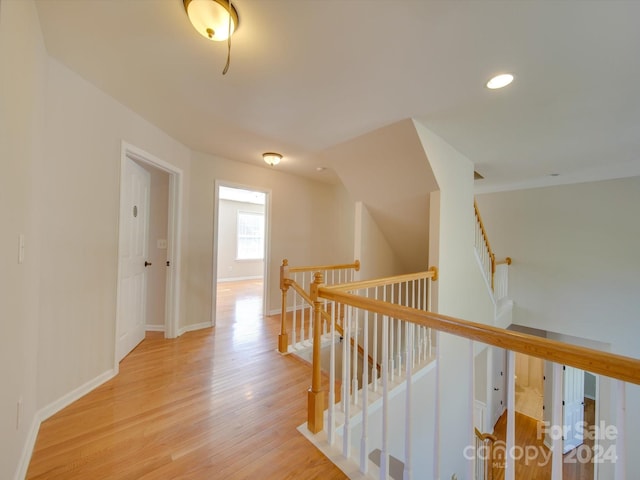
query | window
(250,236)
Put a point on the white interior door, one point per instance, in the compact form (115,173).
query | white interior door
(134,228)
(498,397)
(573,408)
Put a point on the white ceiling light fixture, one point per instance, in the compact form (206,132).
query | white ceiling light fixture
(216,20)
(500,81)
(211,18)
(272,158)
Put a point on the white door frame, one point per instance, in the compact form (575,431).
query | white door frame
(172,303)
(267,242)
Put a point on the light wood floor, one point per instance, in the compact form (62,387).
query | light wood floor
(526,435)
(219,403)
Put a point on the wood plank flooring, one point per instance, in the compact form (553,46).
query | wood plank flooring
(219,403)
(536,468)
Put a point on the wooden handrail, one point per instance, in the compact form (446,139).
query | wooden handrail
(594,361)
(432,273)
(485,436)
(486,461)
(286,282)
(482,229)
(355,265)
(492,256)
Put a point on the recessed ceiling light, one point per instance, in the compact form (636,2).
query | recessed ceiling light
(500,81)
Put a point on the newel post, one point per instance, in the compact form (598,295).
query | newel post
(283,338)
(315,412)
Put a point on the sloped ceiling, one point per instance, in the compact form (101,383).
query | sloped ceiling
(388,171)
(307,76)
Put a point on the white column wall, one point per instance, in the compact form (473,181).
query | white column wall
(22,85)
(461,292)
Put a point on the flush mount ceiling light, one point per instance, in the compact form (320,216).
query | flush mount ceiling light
(272,158)
(500,81)
(215,20)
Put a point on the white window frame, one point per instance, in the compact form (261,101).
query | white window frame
(261,236)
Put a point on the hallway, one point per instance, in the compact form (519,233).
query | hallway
(214,403)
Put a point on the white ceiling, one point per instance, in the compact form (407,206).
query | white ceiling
(308,75)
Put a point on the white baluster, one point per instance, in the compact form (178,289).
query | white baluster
(436,416)
(374,367)
(556,421)
(344,394)
(332,379)
(346,434)
(354,363)
(621,443)
(407,474)
(391,343)
(384,453)
(295,312)
(510,472)
(303,312)
(364,441)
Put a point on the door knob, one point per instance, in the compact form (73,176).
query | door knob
(146,264)
(495,389)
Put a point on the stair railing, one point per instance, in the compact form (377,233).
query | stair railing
(407,321)
(488,260)
(484,455)
(397,348)
(295,318)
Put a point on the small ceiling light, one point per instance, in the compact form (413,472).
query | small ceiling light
(500,81)
(320,169)
(211,18)
(272,158)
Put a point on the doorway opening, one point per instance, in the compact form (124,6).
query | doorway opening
(241,233)
(529,385)
(135,197)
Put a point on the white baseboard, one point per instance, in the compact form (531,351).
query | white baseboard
(278,311)
(191,328)
(239,279)
(154,328)
(50,410)
(27,451)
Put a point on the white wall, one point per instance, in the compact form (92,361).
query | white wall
(575,266)
(304,220)
(78,213)
(229,267)
(22,64)
(461,292)
(60,149)
(377,258)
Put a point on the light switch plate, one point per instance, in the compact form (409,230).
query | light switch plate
(21,248)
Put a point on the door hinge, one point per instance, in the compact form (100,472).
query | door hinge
(563,403)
